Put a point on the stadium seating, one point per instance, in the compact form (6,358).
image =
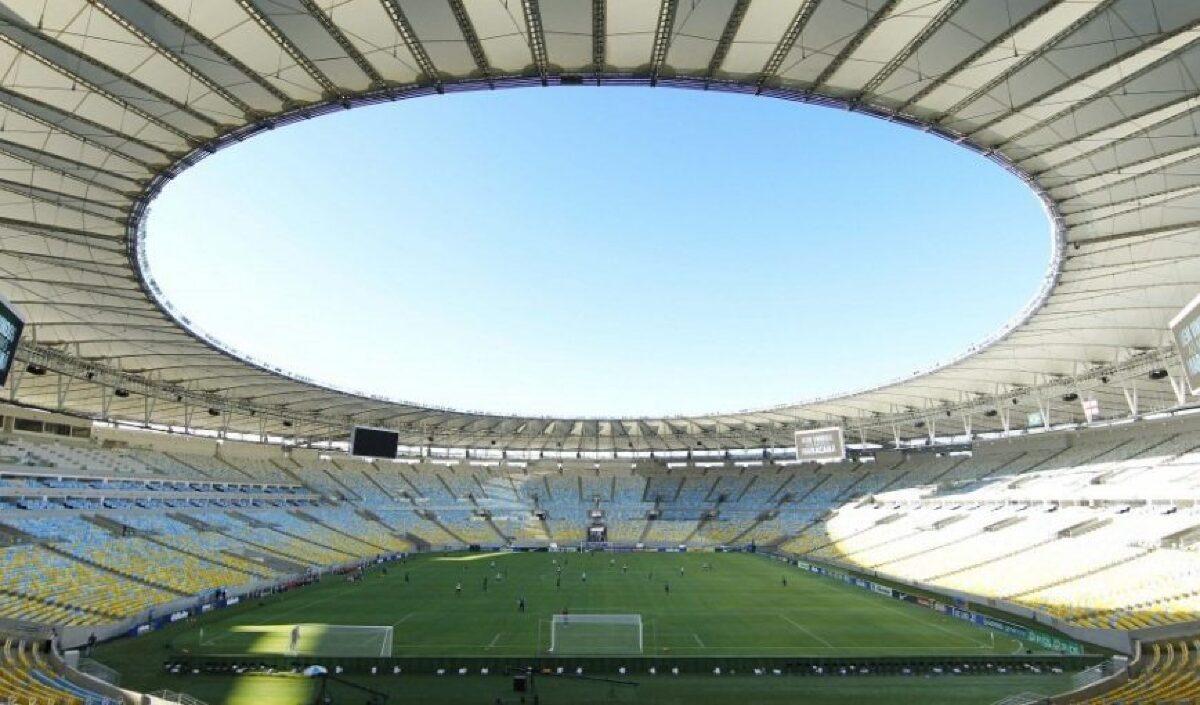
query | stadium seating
(27,678)
(1172,675)
(1087,530)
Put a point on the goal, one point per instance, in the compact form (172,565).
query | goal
(585,634)
(338,640)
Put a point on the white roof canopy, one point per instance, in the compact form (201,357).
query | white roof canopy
(1093,102)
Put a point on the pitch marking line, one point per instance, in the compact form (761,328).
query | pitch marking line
(934,625)
(697,638)
(804,629)
(403,619)
(494,640)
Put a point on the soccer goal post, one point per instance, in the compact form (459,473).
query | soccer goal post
(339,640)
(585,634)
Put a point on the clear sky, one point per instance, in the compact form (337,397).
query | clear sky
(598,251)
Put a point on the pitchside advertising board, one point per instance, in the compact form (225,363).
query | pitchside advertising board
(374,442)
(1185,329)
(821,444)
(11,325)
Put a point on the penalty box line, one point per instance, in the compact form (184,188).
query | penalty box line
(806,630)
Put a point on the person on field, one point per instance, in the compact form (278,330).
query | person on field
(521,604)
(458,588)
(784,581)
(583,576)
(485,583)
(294,643)
(667,588)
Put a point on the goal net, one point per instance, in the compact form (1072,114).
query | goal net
(584,634)
(334,640)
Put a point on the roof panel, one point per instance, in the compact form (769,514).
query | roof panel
(366,25)
(568,28)
(630,37)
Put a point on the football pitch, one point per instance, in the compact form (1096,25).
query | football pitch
(689,604)
(717,605)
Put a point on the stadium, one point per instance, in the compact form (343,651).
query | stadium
(182,522)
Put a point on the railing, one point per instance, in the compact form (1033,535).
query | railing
(1089,676)
(95,669)
(172,696)
(1023,699)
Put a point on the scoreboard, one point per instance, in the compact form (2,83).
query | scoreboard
(374,442)
(1185,329)
(11,325)
(821,444)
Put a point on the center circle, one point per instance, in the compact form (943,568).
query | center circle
(597,251)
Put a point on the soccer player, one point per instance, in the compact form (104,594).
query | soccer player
(458,588)
(583,576)
(624,568)
(784,579)
(681,570)
(485,583)
(294,643)
(667,588)
(521,603)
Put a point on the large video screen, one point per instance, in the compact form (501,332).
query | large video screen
(374,442)
(1185,329)
(11,325)
(821,444)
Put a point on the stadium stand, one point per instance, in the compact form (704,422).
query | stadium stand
(1171,676)
(26,678)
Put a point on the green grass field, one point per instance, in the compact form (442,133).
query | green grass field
(738,607)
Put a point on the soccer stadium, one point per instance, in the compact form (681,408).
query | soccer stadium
(184,522)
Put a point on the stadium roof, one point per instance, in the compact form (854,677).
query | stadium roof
(1093,102)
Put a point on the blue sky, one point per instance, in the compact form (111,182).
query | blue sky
(598,251)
